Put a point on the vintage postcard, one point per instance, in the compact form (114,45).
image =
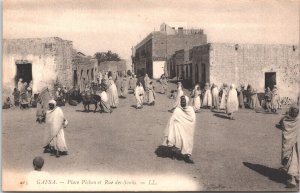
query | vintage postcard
(149,95)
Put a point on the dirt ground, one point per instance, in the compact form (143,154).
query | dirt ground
(230,155)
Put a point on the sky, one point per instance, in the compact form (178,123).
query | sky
(117,25)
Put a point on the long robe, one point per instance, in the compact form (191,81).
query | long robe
(151,94)
(104,103)
(113,94)
(146,81)
(232,103)
(139,95)
(119,85)
(124,87)
(132,83)
(224,98)
(42,106)
(215,97)
(207,98)
(179,94)
(254,102)
(196,100)
(164,84)
(54,132)
(241,98)
(289,149)
(20,85)
(275,101)
(180,130)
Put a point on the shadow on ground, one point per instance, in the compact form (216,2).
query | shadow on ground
(276,175)
(221,116)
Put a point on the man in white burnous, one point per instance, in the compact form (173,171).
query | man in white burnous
(54,137)
(179,133)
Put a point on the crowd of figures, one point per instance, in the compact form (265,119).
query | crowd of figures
(229,96)
(179,132)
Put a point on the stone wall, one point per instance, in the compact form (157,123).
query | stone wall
(200,64)
(50,59)
(248,63)
(160,46)
(85,67)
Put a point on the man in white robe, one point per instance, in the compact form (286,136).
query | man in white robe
(54,138)
(179,94)
(207,98)
(232,103)
(113,94)
(139,95)
(179,133)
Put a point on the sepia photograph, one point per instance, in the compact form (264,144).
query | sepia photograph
(150,95)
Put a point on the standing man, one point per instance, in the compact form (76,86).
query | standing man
(139,95)
(54,137)
(179,94)
(290,151)
(20,84)
(215,96)
(164,83)
(179,133)
(232,103)
(207,97)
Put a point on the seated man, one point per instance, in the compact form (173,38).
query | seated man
(59,98)
(7,104)
(179,133)
(24,103)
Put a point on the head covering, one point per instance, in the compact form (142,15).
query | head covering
(225,85)
(232,86)
(186,99)
(38,162)
(52,102)
(294,111)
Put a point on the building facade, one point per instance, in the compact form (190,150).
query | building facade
(259,65)
(153,52)
(84,68)
(42,61)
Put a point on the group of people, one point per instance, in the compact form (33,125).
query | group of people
(145,93)
(22,96)
(179,132)
(209,98)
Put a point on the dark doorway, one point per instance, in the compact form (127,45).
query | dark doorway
(270,79)
(75,78)
(24,71)
(203,73)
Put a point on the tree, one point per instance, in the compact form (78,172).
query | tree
(107,56)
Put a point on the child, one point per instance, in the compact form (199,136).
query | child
(36,174)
